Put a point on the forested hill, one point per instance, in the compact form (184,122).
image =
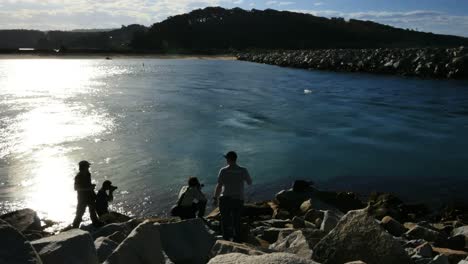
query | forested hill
(117,39)
(217,28)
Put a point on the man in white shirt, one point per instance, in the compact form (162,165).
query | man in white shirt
(229,193)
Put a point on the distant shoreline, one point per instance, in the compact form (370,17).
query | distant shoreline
(111,56)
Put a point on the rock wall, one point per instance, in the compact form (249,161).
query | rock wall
(426,63)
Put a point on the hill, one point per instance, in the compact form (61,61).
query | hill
(216,28)
(87,40)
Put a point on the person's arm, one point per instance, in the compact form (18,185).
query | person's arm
(248,179)
(110,197)
(218,188)
(200,196)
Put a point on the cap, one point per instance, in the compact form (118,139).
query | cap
(231,155)
(107,183)
(83,163)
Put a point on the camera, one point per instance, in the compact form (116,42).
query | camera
(113,188)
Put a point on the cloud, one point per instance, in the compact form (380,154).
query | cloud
(279,3)
(422,20)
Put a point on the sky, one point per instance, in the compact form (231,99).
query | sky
(438,16)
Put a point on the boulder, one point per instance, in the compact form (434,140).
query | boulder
(420,232)
(463,230)
(440,259)
(225,247)
(313,215)
(278,223)
(358,236)
(291,200)
(23,220)
(14,248)
(424,250)
(355,262)
(72,247)
(300,242)
(463,261)
(104,248)
(457,242)
(118,237)
(142,246)
(125,228)
(273,258)
(186,241)
(257,210)
(330,220)
(271,234)
(392,226)
(306,206)
(454,256)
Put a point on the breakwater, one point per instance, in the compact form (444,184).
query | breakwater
(450,63)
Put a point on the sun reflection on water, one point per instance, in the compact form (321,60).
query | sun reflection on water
(40,112)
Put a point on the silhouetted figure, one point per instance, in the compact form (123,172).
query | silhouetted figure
(86,195)
(191,201)
(104,196)
(229,193)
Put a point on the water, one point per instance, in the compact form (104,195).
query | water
(149,124)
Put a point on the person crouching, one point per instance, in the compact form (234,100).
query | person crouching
(103,198)
(191,202)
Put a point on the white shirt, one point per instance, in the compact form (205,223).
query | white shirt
(192,194)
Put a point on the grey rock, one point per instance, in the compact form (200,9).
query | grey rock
(420,232)
(142,246)
(300,242)
(330,220)
(104,248)
(440,259)
(392,226)
(14,248)
(72,247)
(273,258)
(270,234)
(358,236)
(313,215)
(23,220)
(118,237)
(424,250)
(226,247)
(110,229)
(186,241)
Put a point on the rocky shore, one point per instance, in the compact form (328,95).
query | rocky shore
(450,63)
(307,226)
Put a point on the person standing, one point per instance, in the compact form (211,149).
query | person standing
(86,195)
(229,194)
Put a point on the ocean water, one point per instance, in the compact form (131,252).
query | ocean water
(149,124)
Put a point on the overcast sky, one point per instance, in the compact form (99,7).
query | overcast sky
(439,16)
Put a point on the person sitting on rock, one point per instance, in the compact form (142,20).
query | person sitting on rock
(103,198)
(191,201)
(86,195)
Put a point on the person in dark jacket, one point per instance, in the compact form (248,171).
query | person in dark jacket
(86,195)
(103,198)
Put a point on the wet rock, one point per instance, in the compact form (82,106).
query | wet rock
(186,241)
(393,226)
(104,248)
(300,242)
(14,248)
(23,220)
(73,246)
(142,246)
(257,210)
(226,247)
(273,258)
(358,236)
